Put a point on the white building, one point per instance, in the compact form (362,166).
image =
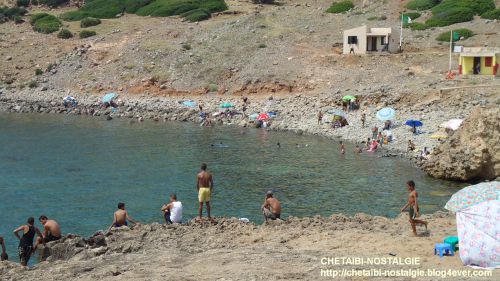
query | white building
(363,40)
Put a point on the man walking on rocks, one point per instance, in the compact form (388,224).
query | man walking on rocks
(204,185)
(26,240)
(320,117)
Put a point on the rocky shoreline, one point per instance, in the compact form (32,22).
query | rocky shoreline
(230,249)
(296,113)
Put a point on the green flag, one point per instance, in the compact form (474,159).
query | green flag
(406,19)
(456,36)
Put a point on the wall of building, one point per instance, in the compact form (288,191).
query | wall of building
(467,64)
(359,48)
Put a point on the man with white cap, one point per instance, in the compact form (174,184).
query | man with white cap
(271,207)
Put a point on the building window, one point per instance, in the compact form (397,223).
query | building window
(382,40)
(352,40)
(488,61)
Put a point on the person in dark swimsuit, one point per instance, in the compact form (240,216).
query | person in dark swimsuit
(26,241)
(4,256)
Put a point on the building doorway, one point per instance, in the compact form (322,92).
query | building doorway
(371,44)
(477,65)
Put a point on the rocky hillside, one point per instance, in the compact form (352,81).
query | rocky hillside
(233,250)
(473,152)
(291,47)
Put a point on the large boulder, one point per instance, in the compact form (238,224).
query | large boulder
(472,152)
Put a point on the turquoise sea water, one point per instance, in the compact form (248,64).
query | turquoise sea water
(76,170)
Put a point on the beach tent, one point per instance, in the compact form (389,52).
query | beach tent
(478,223)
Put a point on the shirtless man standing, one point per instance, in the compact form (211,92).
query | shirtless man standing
(204,185)
(271,207)
(121,216)
(414,210)
(51,231)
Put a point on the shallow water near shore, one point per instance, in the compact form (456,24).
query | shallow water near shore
(76,169)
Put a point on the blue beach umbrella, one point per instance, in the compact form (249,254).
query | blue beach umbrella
(109,97)
(414,123)
(386,113)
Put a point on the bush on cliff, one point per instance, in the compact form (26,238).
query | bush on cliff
(340,7)
(196,15)
(421,5)
(86,33)
(492,14)
(454,11)
(463,32)
(53,3)
(87,22)
(106,9)
(7,13)
(22,3)
(64,34)
(45,23)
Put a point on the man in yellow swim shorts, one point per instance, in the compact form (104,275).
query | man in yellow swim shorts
(204,185)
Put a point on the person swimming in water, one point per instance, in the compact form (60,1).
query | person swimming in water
(342,148)
(121,217)
(278,145)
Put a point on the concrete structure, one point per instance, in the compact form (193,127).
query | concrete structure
(363,40)
(479,61)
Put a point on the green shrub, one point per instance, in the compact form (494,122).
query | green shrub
(213,88)
(196,15)
(412,15)
(53,3)
(186,46)
(50,67)
(193,10)
(86,22)
(382,18)
(105,9)
(18,20)
(22,3)
(417,26)
(463,32)
(269,2)
(492,14)
(373,18)
(262,45)
(340,7)
(87,33)
(421,5)
(454,11)
(64,34)
(33,84)
(38,71)
(11,13)
(45,23)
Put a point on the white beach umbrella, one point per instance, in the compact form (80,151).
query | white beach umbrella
(452,124)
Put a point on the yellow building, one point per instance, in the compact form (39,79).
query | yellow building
(479,61)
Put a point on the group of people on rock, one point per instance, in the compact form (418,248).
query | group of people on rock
(172,213)
(26,234)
